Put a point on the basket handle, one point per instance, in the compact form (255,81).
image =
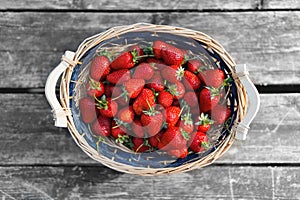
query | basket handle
(59,113)
(254,102)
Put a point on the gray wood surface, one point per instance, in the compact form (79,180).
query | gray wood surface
(212,182)
(40,161)
(265,41)
(129,5)
(278,4)
(29,136)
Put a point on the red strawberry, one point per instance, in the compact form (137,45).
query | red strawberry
(165,99)
(204,123)
(154,140)
(136,48)
(118,76)
(107,107)
(212,77)
(194,66)
(143,71)
(172,115)
(220,113)
(191,99)
(117,93)
(125,61)
(172,55)
(209,98)
(152,120)
(189,128)
(102,126)
(176,103)
(153,60)
(108,89)
(173,74)
(186,122)
(140,144)
(156,82)
(133,87)
(126,114)
(173,138)
(177,90)
(138,129)
(117,130)
(191,81)
(198,142)
(100,68)
(144,101)
(94,88)
(88,110)
(158,45)
(179,153)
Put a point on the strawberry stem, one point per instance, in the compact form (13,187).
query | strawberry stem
(103,103)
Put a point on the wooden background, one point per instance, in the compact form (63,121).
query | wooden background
(40,161)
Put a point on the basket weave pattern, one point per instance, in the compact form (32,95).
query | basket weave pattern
(207,42)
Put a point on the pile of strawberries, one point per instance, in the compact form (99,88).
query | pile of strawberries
(154,97)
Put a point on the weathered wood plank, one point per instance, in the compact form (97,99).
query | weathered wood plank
(28,135)
(32,43)
(130,5)
(102,183)
(277,4)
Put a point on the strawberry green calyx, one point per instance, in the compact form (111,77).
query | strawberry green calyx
(184,134)
(148,51)
(173,89)
(102,103)
(213,91)
(201,69)
(186,58)
(226,82)
(125,140)
(179,73)
(105,53)
(164,125)
(187,118)
(204,120)
(94,84)
(204,145)
(151,112)
(146,143)
(153,66)
(135,56)
(121,123)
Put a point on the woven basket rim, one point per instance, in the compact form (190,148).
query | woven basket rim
(211,44)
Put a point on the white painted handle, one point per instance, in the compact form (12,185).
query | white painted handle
(59,113)
(254,103)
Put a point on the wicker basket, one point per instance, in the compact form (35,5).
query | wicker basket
(243,101)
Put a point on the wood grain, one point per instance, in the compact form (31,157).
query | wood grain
(278,4)
(33,42)
(28,135)
(130,5)
(102,183)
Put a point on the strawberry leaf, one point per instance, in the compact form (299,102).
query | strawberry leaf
(204,120)
(148,51)
(204,145)
(179,73)
(184,134)
(146,143)
(173,90)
